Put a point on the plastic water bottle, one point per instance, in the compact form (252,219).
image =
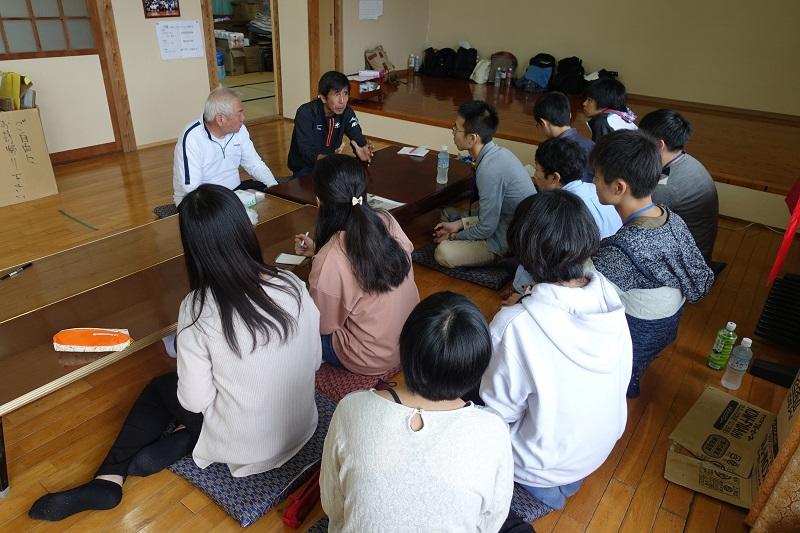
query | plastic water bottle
(509,76)
(417,63)
(220,65)
(442,165)
(737,365)
(498,77)
(411,63)
(726,338)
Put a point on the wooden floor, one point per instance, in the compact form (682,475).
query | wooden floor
(57,442)
(742,148)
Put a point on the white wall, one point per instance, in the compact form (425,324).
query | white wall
(402,30)
(737,53)
(295,78)
(71,98)
(164,95)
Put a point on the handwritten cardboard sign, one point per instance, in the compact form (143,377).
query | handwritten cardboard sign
(25,169)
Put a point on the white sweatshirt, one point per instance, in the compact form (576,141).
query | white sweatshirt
(558,376)
(453,475)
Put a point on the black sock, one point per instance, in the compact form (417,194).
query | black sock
(161,454)
(98,494)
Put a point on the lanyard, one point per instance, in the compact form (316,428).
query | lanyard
(639,212)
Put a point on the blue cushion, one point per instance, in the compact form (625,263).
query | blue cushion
(492,276)
(249,498)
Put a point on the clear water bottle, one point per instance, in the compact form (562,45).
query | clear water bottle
(726,338)
(509,76)
(220,65)
(498,77)
(417,63)
(411,63)
(442,165)
(737,365)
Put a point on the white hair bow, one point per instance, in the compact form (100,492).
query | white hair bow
(358,200)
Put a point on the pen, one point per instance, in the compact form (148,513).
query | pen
(303,243)
(15,271)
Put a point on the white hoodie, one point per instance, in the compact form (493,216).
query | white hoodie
(560,367)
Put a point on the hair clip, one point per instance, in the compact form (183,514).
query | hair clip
(358,200)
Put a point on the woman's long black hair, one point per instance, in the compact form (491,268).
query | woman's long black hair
(223,257)
(378,261)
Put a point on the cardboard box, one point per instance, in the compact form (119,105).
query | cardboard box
(246,9)
(252,57)
(724,446)
(25,169)
(235,62)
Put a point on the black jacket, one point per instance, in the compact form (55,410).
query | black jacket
(315,134)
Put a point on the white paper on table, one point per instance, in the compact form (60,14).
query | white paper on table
(289,259)
(419,151)
(356,77)
(370,9)
(379,202)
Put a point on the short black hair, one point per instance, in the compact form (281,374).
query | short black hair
(332,81)
(445,347)
(630,155)
(669,126)
(561,155)
(479,118)
(553,234)
(554,108)
(609,93)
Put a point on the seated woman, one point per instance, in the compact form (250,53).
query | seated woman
(248,349)
(419,458)
(562,355)
(361,278)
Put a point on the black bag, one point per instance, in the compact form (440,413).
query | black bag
(569,76)
(441,63)
(466,59)
(428,59)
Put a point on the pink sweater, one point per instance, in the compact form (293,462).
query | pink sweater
(366,327)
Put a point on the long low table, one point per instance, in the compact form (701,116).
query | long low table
(134,280)
(405,179)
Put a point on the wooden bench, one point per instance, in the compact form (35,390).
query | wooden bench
(134,280)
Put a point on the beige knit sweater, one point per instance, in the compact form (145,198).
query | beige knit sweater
(258,409)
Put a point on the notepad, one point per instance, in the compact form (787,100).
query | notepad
(419,151)
(379,202)
(289,259)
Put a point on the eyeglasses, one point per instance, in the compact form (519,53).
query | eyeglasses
(456,130)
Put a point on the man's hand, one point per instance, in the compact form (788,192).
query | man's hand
(443,230)
(304,245)
(365,152)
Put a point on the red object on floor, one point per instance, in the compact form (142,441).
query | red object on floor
(303,501)
(793,202)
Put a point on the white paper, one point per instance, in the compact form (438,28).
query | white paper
(370,9)
(356,77)
(180,39)
(419,151)
(379,202)
(369,74)
(289,259)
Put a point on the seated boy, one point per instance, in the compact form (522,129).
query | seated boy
(502,183)
(685,186)
(552,114)
(561,357)
(559,163)
(652,260)
(606,109)
(321,124)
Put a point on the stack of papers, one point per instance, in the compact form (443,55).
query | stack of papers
(419,151)
(379,202)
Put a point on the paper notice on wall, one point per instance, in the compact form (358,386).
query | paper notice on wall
(180,39)
(370,9)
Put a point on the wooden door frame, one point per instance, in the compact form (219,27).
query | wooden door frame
(211,55)
(313,42)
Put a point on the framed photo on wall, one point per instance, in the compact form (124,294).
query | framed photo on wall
(161,8)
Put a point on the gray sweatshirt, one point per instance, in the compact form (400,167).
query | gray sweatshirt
(502,184)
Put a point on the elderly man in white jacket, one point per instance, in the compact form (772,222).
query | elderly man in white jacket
(562,356)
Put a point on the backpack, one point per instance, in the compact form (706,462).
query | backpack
(569,76)
(538,75)
(480,74)
(466,59)
(503,61)
(439,63)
